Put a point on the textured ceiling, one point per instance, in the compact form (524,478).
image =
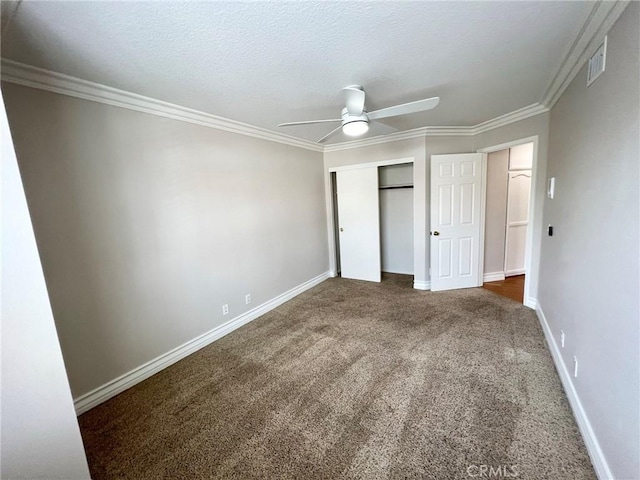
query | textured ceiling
(264,63)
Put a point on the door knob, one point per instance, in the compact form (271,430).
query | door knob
(341,229)
(436,233)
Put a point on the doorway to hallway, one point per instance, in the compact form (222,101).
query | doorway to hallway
(507,220)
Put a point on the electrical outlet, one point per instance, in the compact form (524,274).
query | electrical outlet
(561,338)
(225,308)
(575,366)
(247,298)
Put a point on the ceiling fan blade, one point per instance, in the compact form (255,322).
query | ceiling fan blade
(405,108)
(329,134)
(309,122)
(379,128)
(354,99)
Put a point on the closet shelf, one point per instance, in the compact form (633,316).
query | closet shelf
(389,187)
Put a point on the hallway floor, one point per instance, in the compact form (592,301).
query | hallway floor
(510,287)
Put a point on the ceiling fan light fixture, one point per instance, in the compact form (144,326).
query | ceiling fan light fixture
(355,128)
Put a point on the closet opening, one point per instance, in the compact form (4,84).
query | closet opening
(374,222)
(396,218)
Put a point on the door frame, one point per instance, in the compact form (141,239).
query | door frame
(331,207)
(530,277)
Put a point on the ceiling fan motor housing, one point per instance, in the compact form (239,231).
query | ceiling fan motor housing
(354,125)
(346,118)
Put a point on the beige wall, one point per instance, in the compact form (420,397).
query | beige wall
(589,285)
(414,147)
(40,437)
(146,226)
(496,211)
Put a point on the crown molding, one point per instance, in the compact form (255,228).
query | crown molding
(502,120)
(365,142)
(450,131)
(404,135)
(511,117)
(602,17)
(21,74)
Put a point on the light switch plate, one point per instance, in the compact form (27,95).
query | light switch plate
(551,187)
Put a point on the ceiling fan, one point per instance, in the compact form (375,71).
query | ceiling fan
(355,119)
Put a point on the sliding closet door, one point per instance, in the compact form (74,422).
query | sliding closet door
(359,223)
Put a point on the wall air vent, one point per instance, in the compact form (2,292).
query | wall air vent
(596,63)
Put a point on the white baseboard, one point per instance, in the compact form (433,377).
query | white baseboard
(493,277)
(422,285)
(111,389)
(598,460)
(398,273)
(530,302)
(511,273)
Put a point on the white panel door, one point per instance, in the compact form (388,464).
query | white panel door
(518,193)
(359,223)
(456,197)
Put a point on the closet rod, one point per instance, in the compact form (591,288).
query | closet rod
(390,187)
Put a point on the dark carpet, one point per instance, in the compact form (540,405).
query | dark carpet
(352,380)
